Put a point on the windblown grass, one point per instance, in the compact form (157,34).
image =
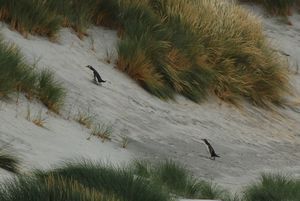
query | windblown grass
(119,182)
(192,48)
(26,188)
(50,91)
(30,16)
(141,181)
(176,179)
(195,48)
(16,76)
(77,14)
(273,187)
(9,161)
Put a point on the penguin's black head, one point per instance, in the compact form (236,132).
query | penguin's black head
(89,66)
(205,140)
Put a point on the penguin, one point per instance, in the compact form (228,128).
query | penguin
(97,77)
(211,150)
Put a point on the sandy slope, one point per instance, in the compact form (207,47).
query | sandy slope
(249,141)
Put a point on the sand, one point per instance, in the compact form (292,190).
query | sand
(249,140)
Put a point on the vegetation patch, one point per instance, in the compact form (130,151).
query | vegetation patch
(9,161)
(195,48)
(30,16)
(192,48)
(176,179)
(273,187)
(141,181)
(77,14)
(102,131)
(17,76)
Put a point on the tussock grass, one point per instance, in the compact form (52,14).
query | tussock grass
(176,179)
(141,181)
(84,118)
(115,181)
(195,48)
(17,76)
(192,48)
(102,131)
(273,187)
(77,14)
(30,16)
(9,161)
(50,91)
(26,188)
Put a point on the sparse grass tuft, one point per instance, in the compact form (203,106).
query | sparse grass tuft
(8,161)
(273,187)
(125,141)
(84,118)
(102,131)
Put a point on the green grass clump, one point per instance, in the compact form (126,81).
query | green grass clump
(26,188)
(118,182)
(50,91)
(8,161)
(273,187)
(176,179)
(17,76)
(140,181)
(77,14)
(30,16)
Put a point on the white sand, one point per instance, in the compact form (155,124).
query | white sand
(249,141)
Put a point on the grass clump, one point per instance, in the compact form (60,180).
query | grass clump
(50,91)
(38,120)
(84,118)
(26,188)
(195,48)
(77,14)
(273,187)
(102,131)
(30,16)
(9,161)
(119,182)
(17,76)
(176,179)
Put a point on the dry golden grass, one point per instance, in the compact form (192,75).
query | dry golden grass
(236,50)
(84,118)
(38,119)
(102,131)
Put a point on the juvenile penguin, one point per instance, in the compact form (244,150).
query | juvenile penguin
(97,77)
(211,150)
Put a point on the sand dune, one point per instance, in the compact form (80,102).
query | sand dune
(249,140)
